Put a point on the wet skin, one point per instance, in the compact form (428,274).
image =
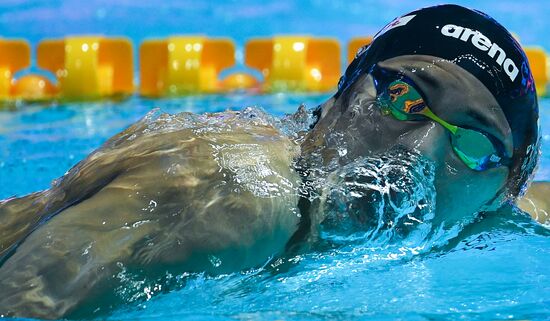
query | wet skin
(71,237)
(537,202)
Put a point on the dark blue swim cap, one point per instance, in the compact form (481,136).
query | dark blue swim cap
(481,46)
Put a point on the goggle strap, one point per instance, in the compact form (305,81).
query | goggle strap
(428,113)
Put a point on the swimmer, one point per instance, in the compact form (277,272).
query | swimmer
(452,84)
(171,195)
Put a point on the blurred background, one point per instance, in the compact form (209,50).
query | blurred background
(240,20)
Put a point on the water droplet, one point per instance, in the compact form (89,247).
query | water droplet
(215,261)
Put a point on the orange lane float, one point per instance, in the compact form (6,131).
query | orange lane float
(240,81)
(539,67)
(183,65)
(34,88)
(15,55)
(295,63)
(355,44)
(95,67)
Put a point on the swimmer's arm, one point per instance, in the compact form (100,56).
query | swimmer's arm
(536,202)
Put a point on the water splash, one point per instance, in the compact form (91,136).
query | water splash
(380,200)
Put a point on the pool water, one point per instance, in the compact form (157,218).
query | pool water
(494,269)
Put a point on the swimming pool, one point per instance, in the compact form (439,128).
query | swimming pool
(495,273)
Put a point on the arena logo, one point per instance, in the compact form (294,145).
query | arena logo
(481,42)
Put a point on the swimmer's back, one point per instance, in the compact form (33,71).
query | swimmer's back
(179,198)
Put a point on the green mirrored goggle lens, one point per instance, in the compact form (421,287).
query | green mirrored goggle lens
(474,148)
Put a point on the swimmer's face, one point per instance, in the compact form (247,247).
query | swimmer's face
(354,125)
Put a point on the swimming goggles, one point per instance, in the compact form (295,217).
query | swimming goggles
(477,150)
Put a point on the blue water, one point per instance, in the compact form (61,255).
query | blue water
(493,270)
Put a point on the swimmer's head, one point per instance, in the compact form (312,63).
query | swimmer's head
(470,74)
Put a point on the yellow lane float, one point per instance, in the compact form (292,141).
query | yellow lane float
(15,55)
(295,63)
(355,44)
(89,67)
(183,65)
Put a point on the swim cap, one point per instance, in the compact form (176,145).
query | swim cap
(484,48)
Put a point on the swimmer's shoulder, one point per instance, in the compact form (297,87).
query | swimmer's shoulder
(536,202)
